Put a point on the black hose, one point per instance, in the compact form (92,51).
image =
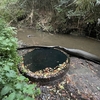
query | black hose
(81,54)
(72,52)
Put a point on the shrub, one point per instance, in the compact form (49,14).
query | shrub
(13,86)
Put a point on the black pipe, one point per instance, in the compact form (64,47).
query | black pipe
(81,54)
(72,52)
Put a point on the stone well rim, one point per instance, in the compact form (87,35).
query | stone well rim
(45,78)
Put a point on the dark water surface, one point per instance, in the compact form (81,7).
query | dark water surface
(33,37)
(40,59)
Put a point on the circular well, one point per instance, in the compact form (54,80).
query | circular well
(44,64)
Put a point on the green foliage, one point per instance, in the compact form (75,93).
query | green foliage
(5,11)
(10,10)
(85,5)
(76,8)
(75,14)
(13,86)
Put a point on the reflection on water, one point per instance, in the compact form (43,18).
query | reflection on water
(33,37)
